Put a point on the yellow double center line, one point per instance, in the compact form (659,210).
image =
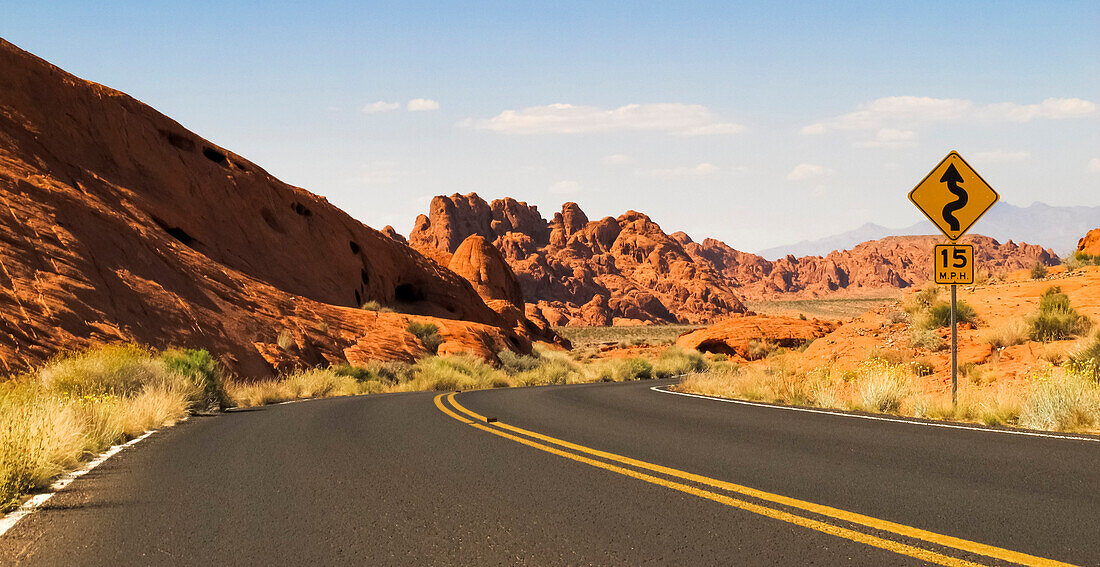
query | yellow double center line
(584,455)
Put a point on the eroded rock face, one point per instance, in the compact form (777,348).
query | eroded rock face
(121,225)
(576,271)
(734,336)
(1090,244)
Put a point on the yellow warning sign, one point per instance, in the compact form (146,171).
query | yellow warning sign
(953,196)
(953,263)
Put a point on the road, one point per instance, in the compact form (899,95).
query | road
(600,474)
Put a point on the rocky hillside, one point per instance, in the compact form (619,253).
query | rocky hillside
(118,224)
(626,270)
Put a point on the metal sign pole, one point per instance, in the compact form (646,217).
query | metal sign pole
(954,354)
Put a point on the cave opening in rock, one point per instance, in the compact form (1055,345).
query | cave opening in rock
(354,246)
(407,293)
(181,142)
(364,276)
(358,298)
(301,209)
(215,156)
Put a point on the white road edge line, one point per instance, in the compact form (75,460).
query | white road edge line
(876,418)
(8,522)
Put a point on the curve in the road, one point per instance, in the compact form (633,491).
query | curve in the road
(591,457)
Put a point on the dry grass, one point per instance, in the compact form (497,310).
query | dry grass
(81,403)
(636,335)
(1061,399)
(1010,334)
(822,308)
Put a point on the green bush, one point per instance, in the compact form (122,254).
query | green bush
(513,363)
(1056,319)
(1087,362)
(200,366)
(1038,271)
(676,361)
(428,333)
(939,314)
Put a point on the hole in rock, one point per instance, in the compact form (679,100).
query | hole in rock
(182,142)
(365,276)
(406,293)
(269,217)
(354,246)
(176,232)
(301,209)
(358,299)
(215,156)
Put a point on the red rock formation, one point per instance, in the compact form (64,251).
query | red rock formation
(120,225)
(733,336)
(581,272)
(892,262)
(1090,244)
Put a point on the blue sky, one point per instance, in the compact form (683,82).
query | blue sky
(756,123)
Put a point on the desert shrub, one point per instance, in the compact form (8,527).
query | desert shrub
(893,356)
(939,314)
(428,333)
(513,363)
(622,369)
(80,403)
(208,374)
(459,372)
(1061,403)
(285,340)
(923,299)
(372,305)
(1087,362)
(675,361)
(1014,333)
(926,339)
(802,316)
(1038,271)
(972,372)
(394,372)
(359,373)
(114,370)
(760,348)
(883,389)
(553,368)
(922,367)
(1056,319)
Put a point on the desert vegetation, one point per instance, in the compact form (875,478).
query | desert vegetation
(78,404)
(1056,319)
(1063,398)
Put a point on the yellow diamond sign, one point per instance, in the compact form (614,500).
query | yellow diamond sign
(953,196)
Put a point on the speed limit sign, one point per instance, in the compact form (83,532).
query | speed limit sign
(953,263)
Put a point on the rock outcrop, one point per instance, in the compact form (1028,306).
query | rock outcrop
(734,337)
(576,271)
(119,224)
(1090,243)
(626,270)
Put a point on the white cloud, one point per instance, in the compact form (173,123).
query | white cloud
(673,118)
(701,170)
(422,104)
(564,187)
(380,106)
(1094,165)
(910,110)
(805,171)
(890,138)
(618,159)
(1002,156)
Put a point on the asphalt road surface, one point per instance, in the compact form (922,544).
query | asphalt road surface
(600,474)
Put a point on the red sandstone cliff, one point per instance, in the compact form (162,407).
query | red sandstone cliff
(117,224)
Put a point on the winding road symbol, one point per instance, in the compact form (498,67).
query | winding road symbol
(952,178)
(953,196)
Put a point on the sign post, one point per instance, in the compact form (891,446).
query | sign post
(953,196)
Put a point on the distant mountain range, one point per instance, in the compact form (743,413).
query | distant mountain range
(1058,228)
